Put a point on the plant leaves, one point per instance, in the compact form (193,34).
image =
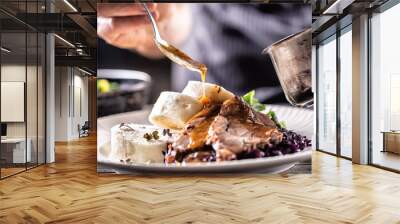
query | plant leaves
(249,97)
(255,103)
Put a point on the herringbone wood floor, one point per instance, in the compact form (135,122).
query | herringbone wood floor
(70,191)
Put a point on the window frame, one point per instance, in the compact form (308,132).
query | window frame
(380,9)
(341,27)
(26,30)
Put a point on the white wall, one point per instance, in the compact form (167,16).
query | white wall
(33,127)
(80,83)
(71,93)
(62,81)
(12,73)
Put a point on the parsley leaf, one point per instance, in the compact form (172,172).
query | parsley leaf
(255,103)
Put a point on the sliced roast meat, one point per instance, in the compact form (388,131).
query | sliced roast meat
(236,107)
(194,135)
(233,130)
(240,129)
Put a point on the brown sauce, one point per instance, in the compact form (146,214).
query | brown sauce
(204,100)
(181,58)
(203,73)
(199,136)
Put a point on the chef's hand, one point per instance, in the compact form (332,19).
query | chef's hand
(126,25)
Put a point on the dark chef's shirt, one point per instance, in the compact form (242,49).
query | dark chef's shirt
(229,39)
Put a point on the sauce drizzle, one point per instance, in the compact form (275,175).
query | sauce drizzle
(183,59)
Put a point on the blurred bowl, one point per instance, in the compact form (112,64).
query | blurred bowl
(130,91)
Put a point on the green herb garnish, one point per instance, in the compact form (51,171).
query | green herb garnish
(250,99)
(255,103)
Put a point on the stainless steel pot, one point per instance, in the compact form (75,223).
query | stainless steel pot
(291,57)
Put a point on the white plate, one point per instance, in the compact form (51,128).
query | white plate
(298,120)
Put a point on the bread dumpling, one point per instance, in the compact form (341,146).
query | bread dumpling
(129,144)
(173,110)
(214,93)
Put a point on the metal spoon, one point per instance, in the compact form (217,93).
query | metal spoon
(172,52)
